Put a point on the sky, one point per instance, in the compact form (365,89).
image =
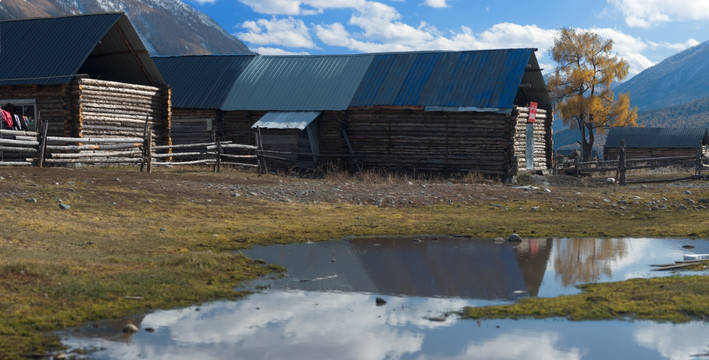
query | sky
(644,32)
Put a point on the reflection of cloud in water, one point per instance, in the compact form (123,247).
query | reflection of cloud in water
(681,341)
(294,324)
(520,345)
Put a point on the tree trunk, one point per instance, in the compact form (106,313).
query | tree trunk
(587,145)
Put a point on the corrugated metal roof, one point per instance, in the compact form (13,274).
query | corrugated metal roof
(298,83)
(201,82)
(674,138)
(483,79)
(53,50)
(286,120)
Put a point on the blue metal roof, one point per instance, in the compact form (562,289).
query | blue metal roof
(298,83)
(201,82)
(52,50)
(673,138)
(286,120)
(483,79)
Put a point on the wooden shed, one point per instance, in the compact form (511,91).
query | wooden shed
(485,111)
(86,75)
(642,143)
(199,86)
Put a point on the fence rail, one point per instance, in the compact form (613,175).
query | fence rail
(24,148)
(622,164)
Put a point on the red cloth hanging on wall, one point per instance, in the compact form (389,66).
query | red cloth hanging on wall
(7,118)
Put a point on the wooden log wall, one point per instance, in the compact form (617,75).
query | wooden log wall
(542,139)
(195,125)
(332,142)
(52,101)
(109,108)
(432,141)
(237,126)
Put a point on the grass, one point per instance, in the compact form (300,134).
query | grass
(675,299)
(169,240)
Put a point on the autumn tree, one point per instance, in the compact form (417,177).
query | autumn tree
(581,85)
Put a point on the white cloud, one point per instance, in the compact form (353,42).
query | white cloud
(645,13)
(277,51)
(287,32)
(299,7)
(436,3)
(374,26)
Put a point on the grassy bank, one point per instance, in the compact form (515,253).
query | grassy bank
(131,242)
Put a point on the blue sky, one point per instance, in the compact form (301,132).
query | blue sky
(644,31)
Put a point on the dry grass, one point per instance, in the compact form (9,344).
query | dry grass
(169,237)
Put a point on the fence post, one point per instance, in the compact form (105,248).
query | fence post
(43,144)
(218,165)
(699,162)
(149,150)
(621,163)
(577,162)
(146,154)
(259,144)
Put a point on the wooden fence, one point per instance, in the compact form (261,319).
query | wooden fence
(23,148)
(18,148)
(622,165)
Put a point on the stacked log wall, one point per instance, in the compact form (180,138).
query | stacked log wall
(237,126)
(191,126)
(332,142)
(542,139)
(53,104)
(431,141)
(115,109)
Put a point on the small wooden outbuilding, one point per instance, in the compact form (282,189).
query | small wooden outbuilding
(642,143)
(85,75)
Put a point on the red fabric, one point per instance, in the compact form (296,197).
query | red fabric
(8,118)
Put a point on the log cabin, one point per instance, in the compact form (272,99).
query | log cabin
(84,75)
(199,86)
(644,143)
(485,111)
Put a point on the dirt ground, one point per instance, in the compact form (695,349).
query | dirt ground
(368,189)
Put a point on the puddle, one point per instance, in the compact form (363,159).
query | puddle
(468,268)
(327,306)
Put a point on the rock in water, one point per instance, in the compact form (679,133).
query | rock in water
(130,328)
(380,301)
(514,237)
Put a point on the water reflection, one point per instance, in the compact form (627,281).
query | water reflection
(325,307)
(467,268)
(317,325)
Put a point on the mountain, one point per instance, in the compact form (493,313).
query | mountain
(679,79)
(691,114)
(167,27)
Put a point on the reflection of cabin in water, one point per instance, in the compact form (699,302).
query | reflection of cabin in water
(456,267)
(656,142)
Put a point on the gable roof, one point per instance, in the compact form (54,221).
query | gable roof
(673,138)
(484,79)
(45,51)
(298,83)
(201,82)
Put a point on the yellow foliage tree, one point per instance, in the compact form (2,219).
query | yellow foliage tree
(581,84)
